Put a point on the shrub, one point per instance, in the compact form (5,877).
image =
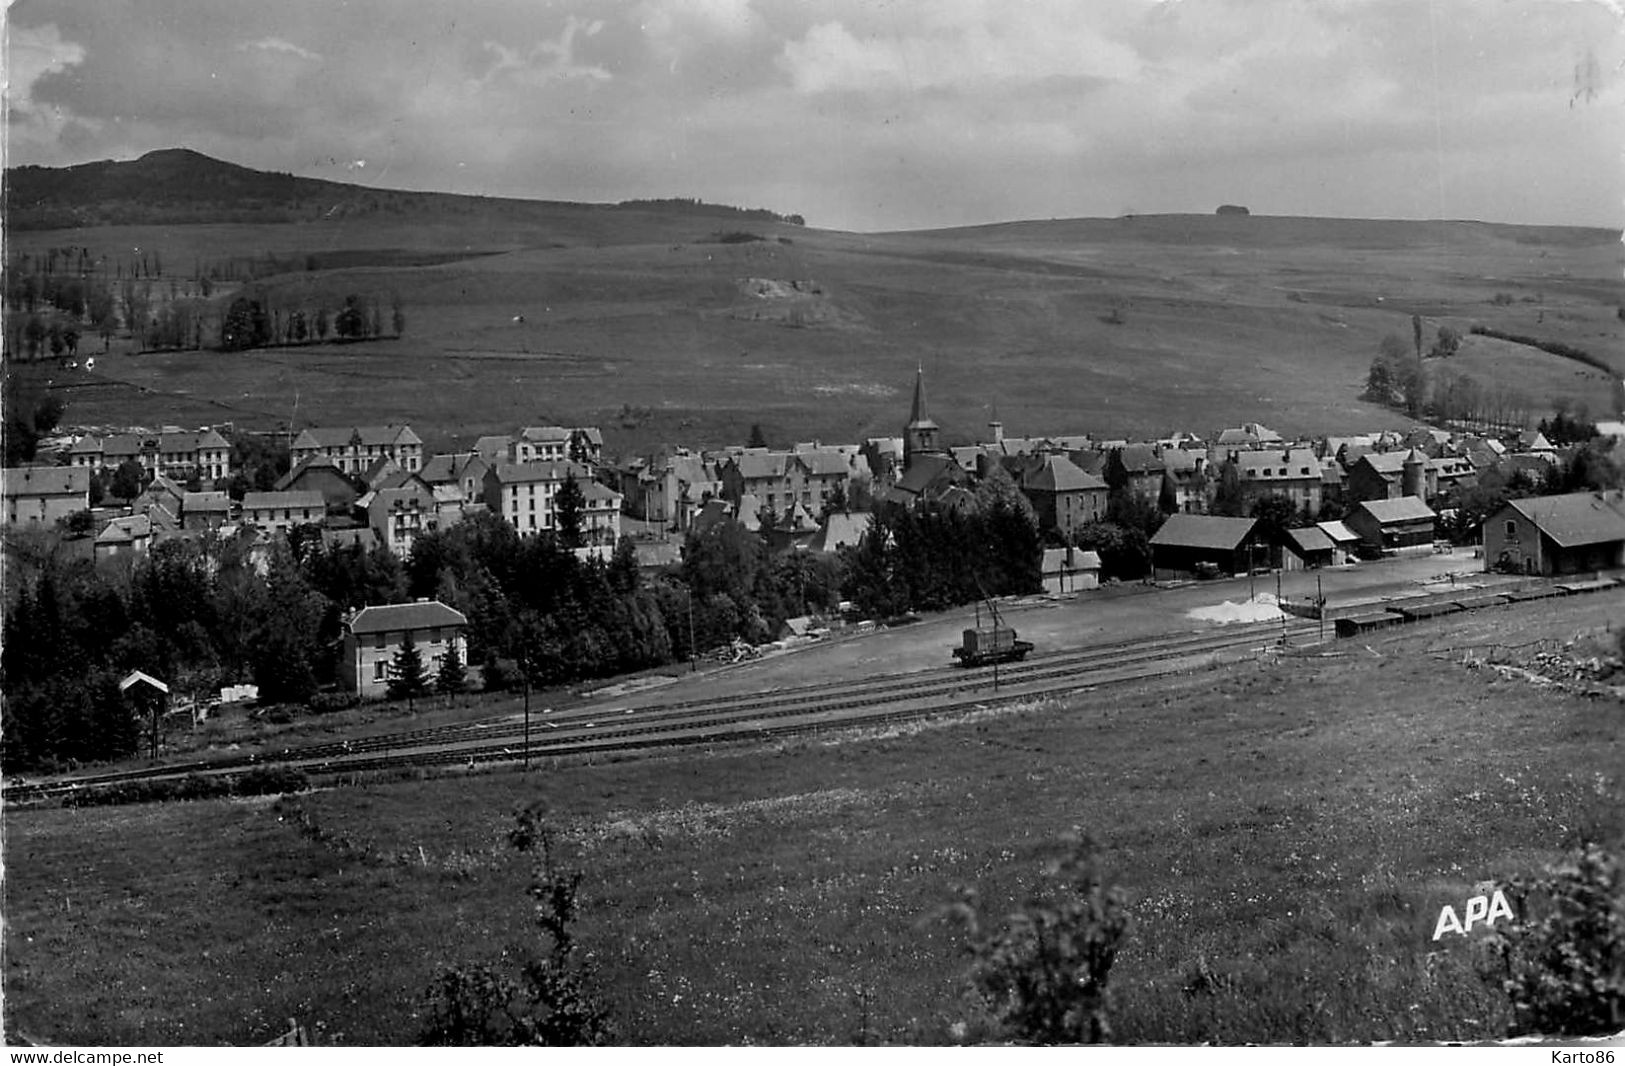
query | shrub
(1044,972)
(551,1001)
(328,702)
(270,781)
(1564,957)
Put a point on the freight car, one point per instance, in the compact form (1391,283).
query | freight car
(995,643)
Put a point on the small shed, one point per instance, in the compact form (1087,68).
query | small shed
(150,699)
(1344,541)
(1070,570)
(1308,548)
(1404,525)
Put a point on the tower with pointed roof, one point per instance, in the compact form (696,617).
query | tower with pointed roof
(920,436)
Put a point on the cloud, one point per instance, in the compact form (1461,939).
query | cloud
(277,44)
(32,53)
(551,60)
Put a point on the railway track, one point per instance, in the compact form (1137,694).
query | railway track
(627,725)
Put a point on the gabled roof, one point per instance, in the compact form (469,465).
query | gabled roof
(294,500)
(1403,509)
(46,480)
(545,434)
(757,463)
(366,436)
(1217,532)
(205,502)
(396,616)
(493,446)
(1183,461)
(1140,459)
(840,528)
(1278,464)
(1057,473)
(926,469)
(442,468)
(308,465)
(523,473)
(1309,539)
(592,490)
(192,442)
(1576,518)
(126,529)
(1055,560)
(1337,532)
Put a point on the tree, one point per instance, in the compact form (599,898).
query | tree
(246,325)
(1447,344)
(128,480)
(1044,973)
(1416,333)
(1229,498)
(568,505)
(351,321)
(452,678)
(407,677)
(1276,514)
(758,439)
(397,314)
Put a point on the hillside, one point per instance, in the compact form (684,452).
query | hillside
(669,322)
(178,185)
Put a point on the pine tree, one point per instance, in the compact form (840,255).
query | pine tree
(568,505)
(407,676)
(452,678)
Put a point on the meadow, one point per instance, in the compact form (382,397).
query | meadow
(1286,830)
(652,327)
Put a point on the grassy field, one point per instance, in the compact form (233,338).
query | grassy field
(1293,826)
(652,329)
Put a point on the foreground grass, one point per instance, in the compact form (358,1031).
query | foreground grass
(1287,833)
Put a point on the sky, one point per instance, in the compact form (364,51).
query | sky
(862,114)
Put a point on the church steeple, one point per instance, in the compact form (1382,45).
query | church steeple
(920,437)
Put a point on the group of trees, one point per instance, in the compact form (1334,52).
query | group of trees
(254,321)
(1398,377)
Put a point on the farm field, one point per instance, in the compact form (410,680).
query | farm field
(662,333)
(783,893)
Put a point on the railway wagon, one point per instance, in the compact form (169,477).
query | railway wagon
(1354,625)
(991,644)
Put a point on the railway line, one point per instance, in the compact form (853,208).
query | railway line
(629,725)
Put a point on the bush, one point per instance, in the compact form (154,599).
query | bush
(551,1002)
(328,702)
(1564,957)
(270,781)
(1044,973)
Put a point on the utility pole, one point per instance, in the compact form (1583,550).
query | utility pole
(693,661)
(1320,607)
(1278,606)
(524,669)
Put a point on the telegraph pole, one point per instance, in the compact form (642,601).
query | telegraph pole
(524,668)
(1320,607)
(693,662)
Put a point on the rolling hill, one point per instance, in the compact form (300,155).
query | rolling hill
(681,322)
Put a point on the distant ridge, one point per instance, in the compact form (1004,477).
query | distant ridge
(179,185)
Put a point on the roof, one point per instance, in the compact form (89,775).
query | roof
(364,536)
(46,480)
(1290,464)
(343,436)
(839,529)
(545,434)
(395,616)
(1060,474)
(1337,532)
(1575,518)
(492,446)
(1403,509)
(1203,531)
(193,502)
(402,493)
(443,468)
(755,464)
(1183,460)
(191,442)
(521,473)
(592,490)
(1310,539)
(924,470)
(126,529)
(137,677)
(824,462)
(297,498)
(309,464)
(1055,560)
(1140,459)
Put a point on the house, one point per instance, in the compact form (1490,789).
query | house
(129,535)
(1138,468)
(1405,525)
(884,455)
(1308,548)
(1294,473)
(1574,533)
(356,448)
(840,529)
(1231,442)
(400,515)
(927,478)
(374,636)
(600,514)
(1069,569)
(203,454)
(794,530)
(523,493)
(464,471)
(205,510)
(321,474)
(1344,541)
(818,474)
(277,512)
(1188,542)
(1064,497)
(1185,479)
(758,472)
(1390,475)
(44,495)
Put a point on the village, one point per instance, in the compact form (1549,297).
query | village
(1241,501)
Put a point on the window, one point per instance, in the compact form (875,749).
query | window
(434,635)
(380,671)
(1512,529)
(378,641)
